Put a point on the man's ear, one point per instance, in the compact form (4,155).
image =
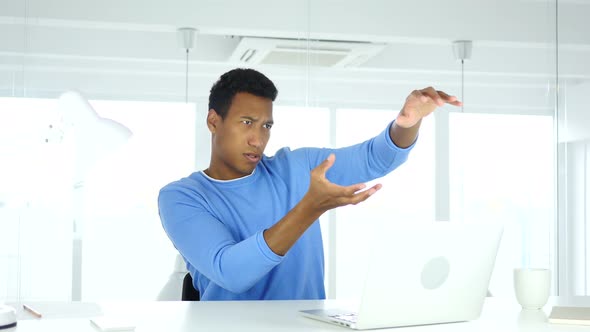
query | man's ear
(212,120)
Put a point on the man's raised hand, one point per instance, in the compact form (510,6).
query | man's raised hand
(421,103)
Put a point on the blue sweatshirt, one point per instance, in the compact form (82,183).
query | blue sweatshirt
(217,226)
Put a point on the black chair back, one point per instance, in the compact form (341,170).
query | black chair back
(189,293)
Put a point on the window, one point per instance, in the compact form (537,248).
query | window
(298,127)
(35,235)
(125,253)
(502,170)
(396,201)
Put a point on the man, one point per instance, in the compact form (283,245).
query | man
(247,226)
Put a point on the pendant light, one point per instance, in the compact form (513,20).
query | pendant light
(186,40)
(462,51)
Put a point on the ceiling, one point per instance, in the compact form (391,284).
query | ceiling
(129,50)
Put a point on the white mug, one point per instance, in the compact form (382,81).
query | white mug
(532,287)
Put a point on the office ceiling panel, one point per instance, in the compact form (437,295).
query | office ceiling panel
(513,41)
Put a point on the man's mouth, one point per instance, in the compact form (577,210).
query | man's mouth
(252,157)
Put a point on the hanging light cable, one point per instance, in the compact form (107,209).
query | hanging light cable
(462,82)
(186,39)
(186,78)
(462,51)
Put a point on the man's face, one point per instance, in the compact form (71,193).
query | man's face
(239,140)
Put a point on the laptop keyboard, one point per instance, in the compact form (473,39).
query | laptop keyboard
(349,317)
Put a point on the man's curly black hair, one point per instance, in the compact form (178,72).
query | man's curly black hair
(239,80)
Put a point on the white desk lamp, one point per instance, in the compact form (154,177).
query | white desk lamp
(90,137)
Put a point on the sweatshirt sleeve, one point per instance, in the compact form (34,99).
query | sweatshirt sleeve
(362,162)
(208,245)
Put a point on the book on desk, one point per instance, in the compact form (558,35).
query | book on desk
(570,315)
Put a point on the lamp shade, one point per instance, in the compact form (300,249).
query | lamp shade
(462,49)
(186,37)
(91,135)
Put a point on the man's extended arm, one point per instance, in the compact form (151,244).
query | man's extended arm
(324,195)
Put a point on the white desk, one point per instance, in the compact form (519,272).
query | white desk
(498,315)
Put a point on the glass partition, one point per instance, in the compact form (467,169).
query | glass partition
(573,137)
(343,70)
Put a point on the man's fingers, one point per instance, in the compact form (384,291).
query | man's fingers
(419,96)
(327,195)
(449,99)
(433,95)
(437,97)
(354,194)
(351,190)
(364,195)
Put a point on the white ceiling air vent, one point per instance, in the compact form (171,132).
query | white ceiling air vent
(277,51)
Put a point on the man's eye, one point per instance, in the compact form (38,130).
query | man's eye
(248,122)
(268,126)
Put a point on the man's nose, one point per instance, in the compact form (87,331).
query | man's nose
(255,139)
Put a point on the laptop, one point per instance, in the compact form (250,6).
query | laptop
(424,273)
